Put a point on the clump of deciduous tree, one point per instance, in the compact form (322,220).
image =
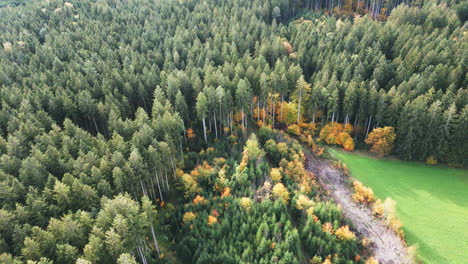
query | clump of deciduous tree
(381,140)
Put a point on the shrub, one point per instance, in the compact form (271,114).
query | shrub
(362,194)
(431,160)
(294,129)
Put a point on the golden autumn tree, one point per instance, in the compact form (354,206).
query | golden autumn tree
(344,233)
(382,140)
(338,134)
(280,192)
(275,175)
(188,216)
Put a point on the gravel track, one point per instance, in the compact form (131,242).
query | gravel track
(386,246)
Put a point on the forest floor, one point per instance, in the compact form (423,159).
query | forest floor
(386,246)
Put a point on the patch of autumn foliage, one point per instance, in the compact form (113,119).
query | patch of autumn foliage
(259,113)
(246,203)
(294,129)
(212,220)
(381,140)
(198,200)
(226,192)
(188,216)
(342,166)
(362,194)
(279,191)
(243,164)
(327,260)
(431,160)
(219,161)
(287,46)
(203,171)
(214,213)
(308,129)
(387,211)
(237,117)
(307,182)
(327,227)
(275,175)
(304,203)
(295,170)
(338,134)
(190,134)
(371,260)
(344,233)
(289,113)
(189,184)
(316,149)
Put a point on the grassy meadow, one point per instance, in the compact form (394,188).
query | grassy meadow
(432,202)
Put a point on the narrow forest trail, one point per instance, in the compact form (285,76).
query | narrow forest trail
(386,246)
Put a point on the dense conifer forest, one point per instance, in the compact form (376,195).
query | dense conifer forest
(171,131)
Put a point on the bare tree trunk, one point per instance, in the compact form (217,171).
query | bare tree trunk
(152,187)
(167,180)
(220,118)
(216,127)
(173,167)
(368,127)
(282,101)
(155,241)
(143,189)
(159,186)
(209,124)
(299,108)
(95,125)
(264,112)
(231,120)
(274,112)
(204,130)
(258,110)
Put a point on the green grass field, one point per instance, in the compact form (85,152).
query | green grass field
(432,202)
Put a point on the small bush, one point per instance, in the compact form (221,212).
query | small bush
(363,194)
(431,160)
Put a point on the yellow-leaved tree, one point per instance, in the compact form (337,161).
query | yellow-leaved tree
(275,175)
(280,192)
(381,140)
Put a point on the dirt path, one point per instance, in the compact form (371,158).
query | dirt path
(386,247)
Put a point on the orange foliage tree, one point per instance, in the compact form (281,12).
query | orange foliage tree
(190,134)
(338,134)
(382,140)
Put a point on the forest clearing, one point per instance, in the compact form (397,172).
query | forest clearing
(430,200)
